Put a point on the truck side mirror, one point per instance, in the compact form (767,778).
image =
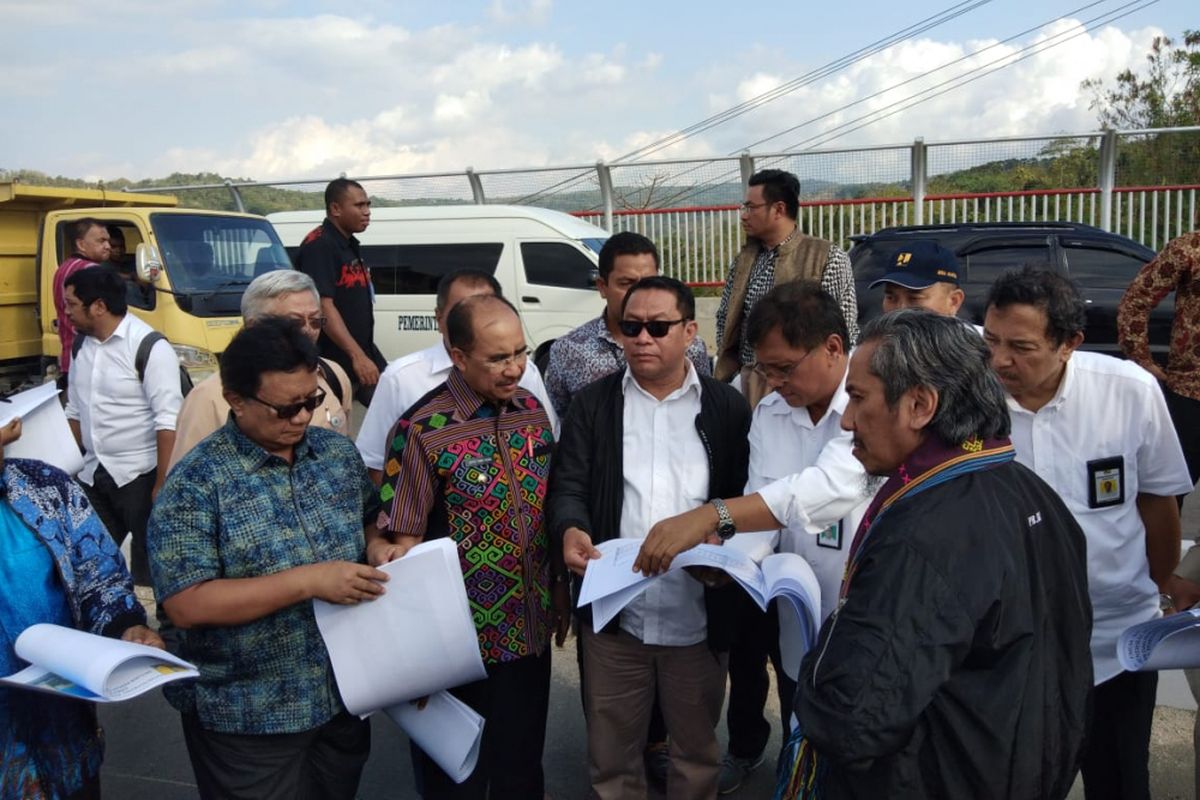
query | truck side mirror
(149,264)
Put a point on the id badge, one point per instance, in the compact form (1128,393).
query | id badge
(1106,482)
(831,537)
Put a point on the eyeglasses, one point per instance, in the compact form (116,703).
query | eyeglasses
(290,410)
(771,372)
(315,323)
(748,206)
(500,363)
(657,328)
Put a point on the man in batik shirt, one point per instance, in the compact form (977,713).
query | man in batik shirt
(470,461)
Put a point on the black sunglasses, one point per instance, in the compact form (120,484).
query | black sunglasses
(290,410)
(657,328)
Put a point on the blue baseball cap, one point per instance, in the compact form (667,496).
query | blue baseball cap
(919,265)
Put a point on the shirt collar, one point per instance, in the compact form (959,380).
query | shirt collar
(600,330)
(439,358)
(330,228)
(691,382)
(1060,395)
(254,456)
(121,331)
(468,402)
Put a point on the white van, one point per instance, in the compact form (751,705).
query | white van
(545,261)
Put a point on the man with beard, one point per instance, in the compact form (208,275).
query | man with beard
(957,661)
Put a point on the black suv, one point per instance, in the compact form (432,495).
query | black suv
(1102,265)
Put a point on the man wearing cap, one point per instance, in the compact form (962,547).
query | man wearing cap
(922,274)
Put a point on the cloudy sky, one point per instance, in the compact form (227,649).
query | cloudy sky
(267,89)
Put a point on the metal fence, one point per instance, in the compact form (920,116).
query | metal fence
(1139,183)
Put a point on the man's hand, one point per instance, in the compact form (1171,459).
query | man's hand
(560,608)
(345,582)
(578,550)
(140,634)
(380,551)
(1185,593)
(364,369)
(670,537)
(10,432)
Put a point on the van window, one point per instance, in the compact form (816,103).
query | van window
(417,268)
(557,264)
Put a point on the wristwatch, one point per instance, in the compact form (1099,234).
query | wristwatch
(1166,602)
(725,527)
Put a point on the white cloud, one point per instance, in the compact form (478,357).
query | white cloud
(533,12)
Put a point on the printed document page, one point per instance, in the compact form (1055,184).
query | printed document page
(1168,643)
(414,640)
(75,663)
(45,435)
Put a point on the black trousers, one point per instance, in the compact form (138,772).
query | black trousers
(1116,758)
(1185,416)
(125,510)
(318,764)
(513,700)
(757,642)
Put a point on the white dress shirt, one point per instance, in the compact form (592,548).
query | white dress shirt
(119,414)
(807,475)
(1106,409)
(665,468)
(409,378)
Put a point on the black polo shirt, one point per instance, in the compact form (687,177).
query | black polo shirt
(335,264)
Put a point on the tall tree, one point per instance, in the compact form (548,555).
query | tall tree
(1166,95)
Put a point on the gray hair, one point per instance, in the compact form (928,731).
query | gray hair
(273,284)
(919,348)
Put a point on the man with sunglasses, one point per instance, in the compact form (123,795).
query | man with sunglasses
(279,293)
(257,520)
(470,460)
(776,252)
(652,440)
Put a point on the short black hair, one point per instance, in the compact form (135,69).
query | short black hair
(805,314)
(82,226)
(115,233)
(473,277)
(625,243)
(685,301)
(100,283)
(460,322)
(1040,286)
(271,344)
(337,189)
(779,186)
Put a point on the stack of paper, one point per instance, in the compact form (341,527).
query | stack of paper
(45,435)
(1168,643)
(415,640)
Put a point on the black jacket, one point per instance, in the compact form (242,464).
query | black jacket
(587,479)
(959,665)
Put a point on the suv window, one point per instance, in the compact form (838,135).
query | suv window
(557,264)
(417,268)
(989,263)
(1098,267)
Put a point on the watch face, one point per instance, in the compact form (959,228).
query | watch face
(726,530)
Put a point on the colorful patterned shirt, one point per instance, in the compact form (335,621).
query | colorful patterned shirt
(589,353)
(464,467)
(1177,269)
(230,509)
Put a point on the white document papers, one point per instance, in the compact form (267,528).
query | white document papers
(89,667)
(609,583)
(45,435)
(414,640)
(1168,643)
(447,729)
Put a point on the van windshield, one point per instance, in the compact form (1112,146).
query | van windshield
(594,244)
(202,252)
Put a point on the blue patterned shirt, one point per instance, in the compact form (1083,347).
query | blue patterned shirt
(230,509)
(58,565)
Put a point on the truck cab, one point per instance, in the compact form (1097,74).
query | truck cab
(186,270)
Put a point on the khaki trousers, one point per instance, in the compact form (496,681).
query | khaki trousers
(622,675)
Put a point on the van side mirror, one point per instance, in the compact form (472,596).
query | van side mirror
(148,263)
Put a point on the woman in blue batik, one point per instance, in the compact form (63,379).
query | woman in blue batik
(57,564)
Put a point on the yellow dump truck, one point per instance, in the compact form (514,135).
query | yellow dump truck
(187,270)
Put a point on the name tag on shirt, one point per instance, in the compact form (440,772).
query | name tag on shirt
(831,537)
(1106,482)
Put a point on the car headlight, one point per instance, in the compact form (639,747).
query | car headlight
(198,363)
